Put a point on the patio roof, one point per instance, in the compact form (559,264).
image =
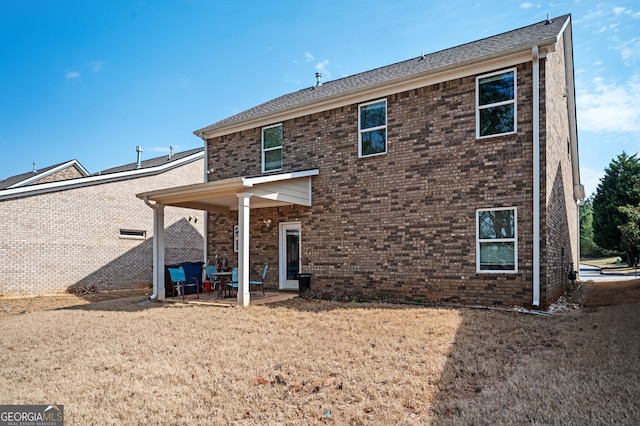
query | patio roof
(221,195)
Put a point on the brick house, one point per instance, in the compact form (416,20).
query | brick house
(62,226)
(451,176)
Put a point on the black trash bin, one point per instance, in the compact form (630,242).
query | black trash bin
(304,283)
(193,270)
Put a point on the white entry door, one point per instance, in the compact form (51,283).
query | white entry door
(290,238)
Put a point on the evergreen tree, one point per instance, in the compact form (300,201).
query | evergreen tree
(631,232)
(620,186)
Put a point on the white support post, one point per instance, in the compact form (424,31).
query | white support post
(158,250)
(243,248)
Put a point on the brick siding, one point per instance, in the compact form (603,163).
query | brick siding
(52,241)
(402,225)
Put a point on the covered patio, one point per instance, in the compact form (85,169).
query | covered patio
(241,194)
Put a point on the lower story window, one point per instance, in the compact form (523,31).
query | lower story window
(496,240)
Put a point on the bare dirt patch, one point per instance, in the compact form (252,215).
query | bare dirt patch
(22,305)
(318,362)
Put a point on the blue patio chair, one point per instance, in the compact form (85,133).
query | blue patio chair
(179,280)
(261,282)
(233,283)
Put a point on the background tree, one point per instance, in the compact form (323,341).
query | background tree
(588,248)
(631,231)
(620,186)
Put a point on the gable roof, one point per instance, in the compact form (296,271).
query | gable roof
(544,33)
(32,177)
(129,171)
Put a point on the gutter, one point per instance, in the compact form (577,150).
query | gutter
(536,176)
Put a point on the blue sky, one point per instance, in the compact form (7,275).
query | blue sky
(90,80)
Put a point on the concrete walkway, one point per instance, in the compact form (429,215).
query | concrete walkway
(588,273)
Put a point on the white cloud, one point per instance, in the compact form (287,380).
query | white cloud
(322,67)
(309,56)
(96,66)
(620,10)
(70,75)
(629,50)
(526,5)
(163,149)
(610,106)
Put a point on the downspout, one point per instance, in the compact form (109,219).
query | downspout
(536,176)
(158,248)
(205,253)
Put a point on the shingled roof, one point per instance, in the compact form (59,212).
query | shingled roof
(153,162)
(544,32)
(33,176)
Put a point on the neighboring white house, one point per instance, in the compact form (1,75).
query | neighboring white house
(61,226)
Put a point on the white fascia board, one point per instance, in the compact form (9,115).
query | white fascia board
(39,176)
(249,182)
(95,179)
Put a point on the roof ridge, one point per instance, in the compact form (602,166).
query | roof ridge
(472,50)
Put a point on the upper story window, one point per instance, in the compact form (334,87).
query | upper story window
(496,240)
(372,128)
(272,148)
(496,104)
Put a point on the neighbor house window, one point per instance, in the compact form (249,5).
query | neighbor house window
(496,240)
(496,104)
(372,125)
(272,148)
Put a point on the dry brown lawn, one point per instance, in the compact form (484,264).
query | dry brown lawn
(111,360)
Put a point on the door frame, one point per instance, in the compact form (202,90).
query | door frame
(283,283)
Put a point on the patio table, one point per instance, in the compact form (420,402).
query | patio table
(224,278)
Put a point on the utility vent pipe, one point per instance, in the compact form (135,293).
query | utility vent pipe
(35,170)
(170,152)
(139,161)
(318,79)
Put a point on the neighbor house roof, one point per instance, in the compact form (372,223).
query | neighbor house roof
(153,162)
(32,177)
(545,33)
(129,171)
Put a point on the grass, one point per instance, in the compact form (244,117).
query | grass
(319,362)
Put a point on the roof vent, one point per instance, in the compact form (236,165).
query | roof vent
(170,153)
(318,79)
(139,161)
(549,21)
(35,169)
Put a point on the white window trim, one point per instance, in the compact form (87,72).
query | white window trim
(370,129)
(498,240)
(513,101)
(263,150)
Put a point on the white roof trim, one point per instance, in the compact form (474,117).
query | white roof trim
(269,191)
(95,179)
(54,170)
